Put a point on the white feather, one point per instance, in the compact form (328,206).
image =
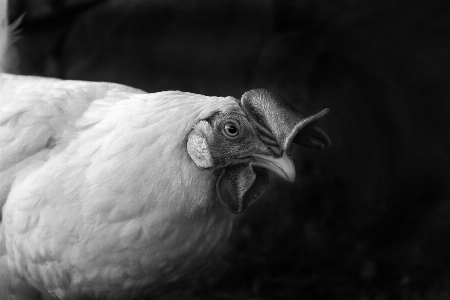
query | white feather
(111,187)
(97,187)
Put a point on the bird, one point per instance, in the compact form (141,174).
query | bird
(110,192)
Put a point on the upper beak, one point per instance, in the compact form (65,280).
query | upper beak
(282,166)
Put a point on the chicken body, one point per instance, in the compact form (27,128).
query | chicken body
(108,192)
(82,217)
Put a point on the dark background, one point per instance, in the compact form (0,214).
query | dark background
(368,218)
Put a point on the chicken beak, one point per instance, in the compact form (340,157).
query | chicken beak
(282,166)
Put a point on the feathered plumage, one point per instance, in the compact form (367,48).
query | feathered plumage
(112,193)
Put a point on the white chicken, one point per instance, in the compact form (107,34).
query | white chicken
(108,192)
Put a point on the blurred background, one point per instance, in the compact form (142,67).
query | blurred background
(368,218)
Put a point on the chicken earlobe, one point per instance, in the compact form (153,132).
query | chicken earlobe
(240,185)
(197,146)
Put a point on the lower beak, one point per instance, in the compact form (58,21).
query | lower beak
(282,166)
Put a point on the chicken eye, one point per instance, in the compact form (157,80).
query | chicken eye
(231,129)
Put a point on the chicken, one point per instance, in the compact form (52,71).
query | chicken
(108,192)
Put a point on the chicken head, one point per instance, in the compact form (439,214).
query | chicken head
(241,144)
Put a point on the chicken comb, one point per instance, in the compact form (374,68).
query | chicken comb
(276,118)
